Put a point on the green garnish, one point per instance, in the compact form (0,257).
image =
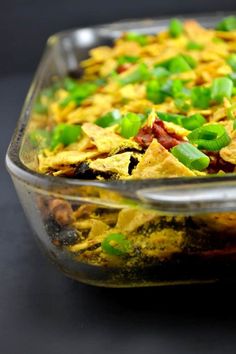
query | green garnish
(190,60)
(190,156)
(127,59)
(234,124)
(40,138)
(227,24)
(232,61)
(232,76)
(169,117)
(40,108)
(211,137)
(65,134)
(179,65)
(175,28)
(193,122)
(160,72)
(70,84)
(130,125)
(221,87)
(116,245)
(78,92)
(190,123)
(141,39)
(182,105)
(201,97)
(140,74)
(109,119)
(194,46)
(154,93)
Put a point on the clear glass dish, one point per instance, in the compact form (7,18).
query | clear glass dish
(183,230)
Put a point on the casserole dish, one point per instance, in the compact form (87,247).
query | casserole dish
(193,219)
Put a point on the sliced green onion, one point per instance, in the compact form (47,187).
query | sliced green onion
(182,105)
(40,108)
(194,46)
(221,87)
(201,97)
(160,72)
(70,84)
(127,59)
(190,156)
(140,74)
(130,125)
(232,61)
(234,125)
(176,88)
(40,138)
(116,245)
(154,93)
(211,137)
(190,60)
(193,122)
(175,28)
(109,119)
(169,117)
(138,38)
(48,92)
(179,65)
(79,92)
(65,134)
(227,24)
(190,123)
(232,77)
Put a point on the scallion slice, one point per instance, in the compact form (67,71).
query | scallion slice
(116,245)
(179,65)
(140,74)
(227,24)
(154,93)
(190,156)
(109,119)
(232,61)
(169,117)
(130,125)
(211,137)
(221,87)
(201,97)
(127,59)
(194,46)
(194,121)
(141,39)
(175,28)
(160,72)
(65,134)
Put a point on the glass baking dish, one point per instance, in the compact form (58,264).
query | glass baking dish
(183,230)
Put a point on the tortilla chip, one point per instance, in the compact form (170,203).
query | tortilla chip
(118,164)
(130,219)
(106,140)
(64,158)
(228,153)
(157,162)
